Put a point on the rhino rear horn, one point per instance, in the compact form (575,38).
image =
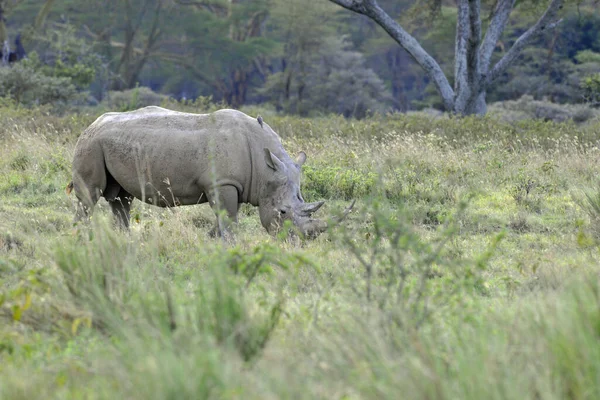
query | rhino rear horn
(316,226)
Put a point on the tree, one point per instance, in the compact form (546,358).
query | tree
(302,31)
(224,43)
(140,40)
(473,72)
(7,6)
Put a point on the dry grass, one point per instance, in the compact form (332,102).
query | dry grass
(509,283)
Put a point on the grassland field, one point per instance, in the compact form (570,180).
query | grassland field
(468,270)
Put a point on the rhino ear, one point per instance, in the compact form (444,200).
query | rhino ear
(273,162)
(301,158)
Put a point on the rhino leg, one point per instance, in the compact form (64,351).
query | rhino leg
(89,181)
(120,206)
(87,196)
(224,199)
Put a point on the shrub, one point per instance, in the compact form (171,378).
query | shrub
(591,89)
(528,108)
(408,278)
(133,99)
(336,182)
(26,86)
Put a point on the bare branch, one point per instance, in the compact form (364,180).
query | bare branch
(185,62)
(153,36)
(547,21)
(371,9)
(253,26)
(211,6)
(494,32)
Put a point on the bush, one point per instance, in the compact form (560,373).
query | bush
(528,108)
(133,99)
(336,182)
(591,89)
(25,85)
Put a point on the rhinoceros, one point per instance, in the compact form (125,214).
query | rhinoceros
(169,158)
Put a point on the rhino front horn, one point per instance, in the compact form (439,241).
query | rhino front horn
(308,209)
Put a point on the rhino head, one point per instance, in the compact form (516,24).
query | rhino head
(280,198)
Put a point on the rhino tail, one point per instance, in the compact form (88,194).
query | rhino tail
(69,188)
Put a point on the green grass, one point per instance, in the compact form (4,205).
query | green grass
(469,270)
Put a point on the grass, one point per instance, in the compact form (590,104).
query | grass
(470,270)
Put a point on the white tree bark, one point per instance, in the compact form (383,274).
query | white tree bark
(472,75)
(371,9)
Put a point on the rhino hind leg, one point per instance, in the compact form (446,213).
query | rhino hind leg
(89,181)
(87,197)
(224,200)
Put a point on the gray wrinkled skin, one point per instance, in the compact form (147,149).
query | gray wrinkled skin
(168,158)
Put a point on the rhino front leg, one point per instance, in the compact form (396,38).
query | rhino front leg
(224,200)
(120,206)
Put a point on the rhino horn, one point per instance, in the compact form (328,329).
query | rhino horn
(307,209)
(314,227)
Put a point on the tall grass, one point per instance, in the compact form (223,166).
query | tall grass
(468,269)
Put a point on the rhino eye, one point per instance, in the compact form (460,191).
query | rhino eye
(282,211)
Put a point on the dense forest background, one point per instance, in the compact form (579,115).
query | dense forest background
(295,56)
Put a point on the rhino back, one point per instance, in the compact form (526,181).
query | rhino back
(154,152)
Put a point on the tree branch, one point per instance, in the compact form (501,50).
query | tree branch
(494,32)
(184,61)
(371,9)
(547,21)
(211,6)
(153,36)
(253,26)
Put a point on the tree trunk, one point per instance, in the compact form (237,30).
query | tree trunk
(3,34)
(472,72)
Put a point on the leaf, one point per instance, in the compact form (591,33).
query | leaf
(27,302)
(75,325)
(17,312)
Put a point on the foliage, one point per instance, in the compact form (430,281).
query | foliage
(132,99)
(591,89)
(334,80)
(305,59)
(66,55)
(528,108)
(25,85)
(436,309)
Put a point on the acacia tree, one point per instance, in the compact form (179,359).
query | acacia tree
(140,41)
(226,59)
(473,72)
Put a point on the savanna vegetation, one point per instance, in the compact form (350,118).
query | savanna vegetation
(469,269)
